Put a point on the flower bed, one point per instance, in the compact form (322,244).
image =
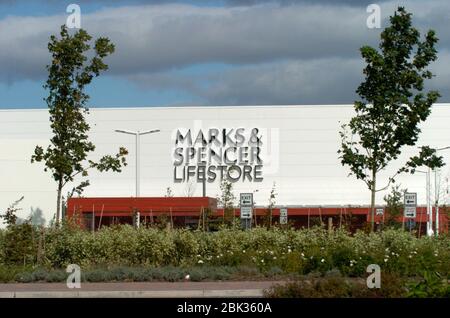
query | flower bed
(286,251)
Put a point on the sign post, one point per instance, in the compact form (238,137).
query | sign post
(246,207)
(410,203)
(283,216)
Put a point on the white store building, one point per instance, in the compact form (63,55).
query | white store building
(298,153)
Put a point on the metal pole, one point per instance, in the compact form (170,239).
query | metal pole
(138,219)
(137,134)
(429,212)
(436,189)
(427,196)
(436,194)
(429,204)
(137,164)
(204,185)
(428,201)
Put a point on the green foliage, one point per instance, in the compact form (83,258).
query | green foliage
(291,251)
(68,75)
(9,273)
(394,206)
(19,244)
(10,217)
(334,285)
(267,220)
(132,274)
(432,285)
(392,105)
(162,220)
(227,200)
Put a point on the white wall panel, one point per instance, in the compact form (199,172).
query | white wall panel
(309,171)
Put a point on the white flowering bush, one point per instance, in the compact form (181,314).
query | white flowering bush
(184,246)
(287,250)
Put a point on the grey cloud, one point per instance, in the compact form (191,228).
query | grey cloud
(278,54)
(329,80)
(210,2)
(441,80)
(156,38)
(320,81)
(291,2)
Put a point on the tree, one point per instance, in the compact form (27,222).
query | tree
(18,242)
(269,211)
(392,104)
(68,75)
(36,217)
(394,205)
(189,189)
(227,200)
(9,217)
(169,193)
(162,221)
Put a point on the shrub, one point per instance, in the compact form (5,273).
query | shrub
(292,251)
(56,276)
(39,275)
(24,277)
(19,244)
(2,246)
(10,273)
(333,285)
(432,285)
(97,275)
(246,272)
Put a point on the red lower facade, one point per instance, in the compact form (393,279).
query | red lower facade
(94,213)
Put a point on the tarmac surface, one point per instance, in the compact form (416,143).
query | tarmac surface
(138,289)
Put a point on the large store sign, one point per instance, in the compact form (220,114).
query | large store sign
(217,154)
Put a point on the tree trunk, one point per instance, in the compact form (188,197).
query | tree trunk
(270,219)
(58,203)
(372,201)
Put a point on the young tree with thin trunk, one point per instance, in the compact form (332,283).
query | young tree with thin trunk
(269,212)
(227,200)
(392,104)
(69,73)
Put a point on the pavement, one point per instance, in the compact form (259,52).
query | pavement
(226,289)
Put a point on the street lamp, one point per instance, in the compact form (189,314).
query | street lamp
(428,195)
(436,193)
(137,134)
(253,205)
(429,205)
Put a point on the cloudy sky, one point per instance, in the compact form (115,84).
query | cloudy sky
(211,52)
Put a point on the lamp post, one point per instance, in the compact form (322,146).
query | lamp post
(428,200)
(253,206)
(137,134)
(436,193)
(430,231)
